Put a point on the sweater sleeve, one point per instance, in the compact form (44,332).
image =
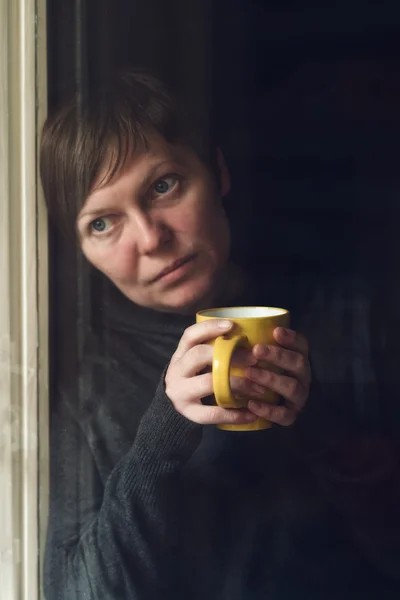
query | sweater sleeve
(116,541)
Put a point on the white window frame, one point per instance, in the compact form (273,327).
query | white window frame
(23,301)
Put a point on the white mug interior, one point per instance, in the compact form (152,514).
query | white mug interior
(244,312)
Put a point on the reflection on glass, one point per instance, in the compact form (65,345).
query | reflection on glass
(152,493)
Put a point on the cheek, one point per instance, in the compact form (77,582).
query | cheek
(207,225)
(115,261)
(213,230)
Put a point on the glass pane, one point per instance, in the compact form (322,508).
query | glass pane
(223,154)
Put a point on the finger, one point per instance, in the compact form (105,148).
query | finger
(281,415)
(199,333)
(199,387)
(196,388)
(242,387)
(290,339)
(243,357)
(292,362)
(196,359)
(214,415)
(192,389)
(199,357)
(290,388)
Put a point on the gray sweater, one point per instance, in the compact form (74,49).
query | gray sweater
(146,504)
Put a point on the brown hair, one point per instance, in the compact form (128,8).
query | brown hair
(102,129)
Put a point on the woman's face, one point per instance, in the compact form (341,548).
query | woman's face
(158,230)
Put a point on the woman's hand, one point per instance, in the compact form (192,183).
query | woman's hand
(292,356)
(186,383)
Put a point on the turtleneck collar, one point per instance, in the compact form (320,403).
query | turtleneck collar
(116,312)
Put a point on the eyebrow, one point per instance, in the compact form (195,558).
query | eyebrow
(145,182)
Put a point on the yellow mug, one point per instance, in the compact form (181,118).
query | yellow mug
(252,325)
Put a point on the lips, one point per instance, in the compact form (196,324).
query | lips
(178,263)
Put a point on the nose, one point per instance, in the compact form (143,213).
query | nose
(150,233)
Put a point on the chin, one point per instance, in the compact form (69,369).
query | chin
(187,298)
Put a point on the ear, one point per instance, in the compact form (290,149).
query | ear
(224,176)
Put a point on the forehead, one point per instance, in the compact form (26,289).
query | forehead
(139,159)
(139,169)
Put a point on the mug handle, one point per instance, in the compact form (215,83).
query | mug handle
(223,349)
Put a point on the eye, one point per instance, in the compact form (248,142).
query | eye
(101,225)
(165,185)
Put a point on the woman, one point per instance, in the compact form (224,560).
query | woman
(147,502)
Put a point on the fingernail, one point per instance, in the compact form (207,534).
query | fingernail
(252,372)
(250,418)
(254,404)
(224,324)
(263,351)
(257,389)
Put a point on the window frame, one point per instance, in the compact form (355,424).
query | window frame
(23,300)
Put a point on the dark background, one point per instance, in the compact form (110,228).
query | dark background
(305,99)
